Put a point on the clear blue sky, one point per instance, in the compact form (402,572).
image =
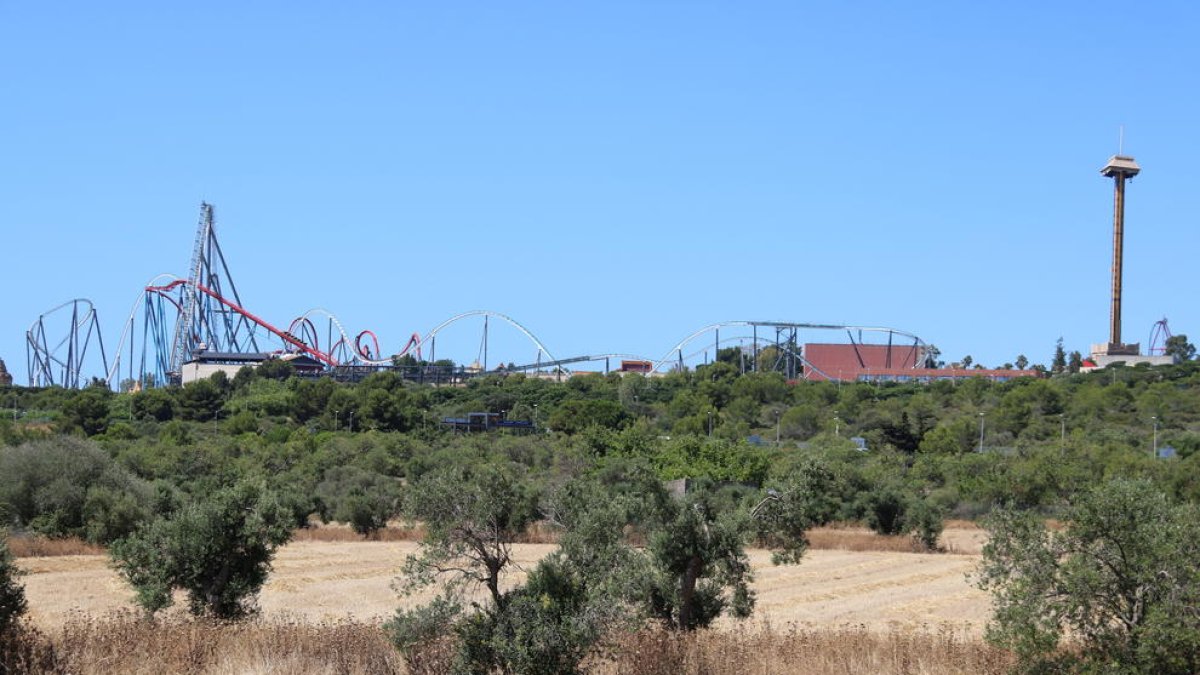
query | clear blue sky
(613,175)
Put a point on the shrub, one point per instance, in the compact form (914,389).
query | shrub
(87,410)
(12,595)
(69,487)
(421,635)
(219,550)
(364,499)
(697,556)
(1121,580)
(885,509)
(924,520)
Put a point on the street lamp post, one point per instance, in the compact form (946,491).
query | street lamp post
(1154,448)
(535,417)
(336,414)
(837,424)
(981,415)
(1062,420)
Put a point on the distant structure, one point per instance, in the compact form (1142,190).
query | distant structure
(204,364)
(1120,168)
(5,376)
(884,363)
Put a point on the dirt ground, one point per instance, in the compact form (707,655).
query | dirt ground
(319,580)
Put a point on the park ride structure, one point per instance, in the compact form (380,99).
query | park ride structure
(175,319)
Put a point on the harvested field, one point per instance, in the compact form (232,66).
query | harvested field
(126,644)
(42,547)
(351,580)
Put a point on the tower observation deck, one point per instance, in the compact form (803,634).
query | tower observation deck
(1119,168)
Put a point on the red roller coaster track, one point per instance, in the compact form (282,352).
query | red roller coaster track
(287,337)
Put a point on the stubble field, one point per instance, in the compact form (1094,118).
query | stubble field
(334,580)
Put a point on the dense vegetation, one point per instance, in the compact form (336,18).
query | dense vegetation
(343,451)
(258,454)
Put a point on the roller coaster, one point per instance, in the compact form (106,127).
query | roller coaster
(175,319)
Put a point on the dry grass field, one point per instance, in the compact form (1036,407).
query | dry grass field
(336,578)
(857,603)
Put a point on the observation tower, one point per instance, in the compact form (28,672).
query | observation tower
(1120,168)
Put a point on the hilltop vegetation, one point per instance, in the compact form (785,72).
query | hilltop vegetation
(265,451)
(93,463)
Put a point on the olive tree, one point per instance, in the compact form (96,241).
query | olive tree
(693,568)
(1120,581)
(699,567)
(12,595)
(471,515)
(364,499)
(218,549)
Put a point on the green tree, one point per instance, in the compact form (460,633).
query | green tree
(807,497)
(471,516)
(1059,362)
(68,486)
(575,415)
(87,410)
(1179,347)
(1022,361)
(699,567)
(218,549)
(12,595)
(1121,580)
(200,401)
(155,403)
(274,369)
(364,499)
(1075,362)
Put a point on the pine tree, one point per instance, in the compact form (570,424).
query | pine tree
(1059,363)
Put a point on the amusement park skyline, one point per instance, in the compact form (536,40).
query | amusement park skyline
(612,177)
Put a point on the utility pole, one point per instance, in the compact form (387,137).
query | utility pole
(981,432)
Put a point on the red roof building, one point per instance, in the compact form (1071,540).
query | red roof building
(849,361)
(888,363)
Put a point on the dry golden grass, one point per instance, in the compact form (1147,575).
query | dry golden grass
(337,532)
(835,539)
(539,532)
(960,524)
(334,580)
(127,643)
(536,533)
(959,536)
(31,546)
(846,649)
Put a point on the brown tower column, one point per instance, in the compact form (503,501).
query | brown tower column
(1119,168)
(1114,315)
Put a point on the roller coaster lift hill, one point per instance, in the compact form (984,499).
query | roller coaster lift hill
(177,319)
